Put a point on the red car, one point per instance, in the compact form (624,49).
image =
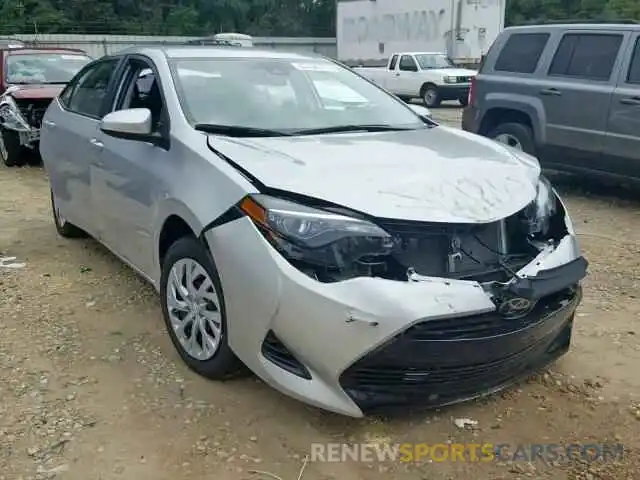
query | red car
(29,79)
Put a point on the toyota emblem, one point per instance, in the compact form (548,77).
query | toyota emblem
(515,307)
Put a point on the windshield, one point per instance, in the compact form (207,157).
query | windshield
(284,95)
(42,68)
(430,60)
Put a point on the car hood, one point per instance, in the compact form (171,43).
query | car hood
(455,72)
(34,92)
(436,175)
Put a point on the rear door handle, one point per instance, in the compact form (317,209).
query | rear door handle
(551,92)
(630,101)
(96,143)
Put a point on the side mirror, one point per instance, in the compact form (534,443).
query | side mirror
(420,110)
(131,124)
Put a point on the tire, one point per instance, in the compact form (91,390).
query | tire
(518,132)
(431,96)
(33,157)
(64,228)
(463,100)
(222,364)
(13,153)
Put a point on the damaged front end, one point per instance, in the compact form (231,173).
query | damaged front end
(332,245)
(527,268)
(23,117)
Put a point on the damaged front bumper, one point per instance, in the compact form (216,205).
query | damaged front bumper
(365,343)
(13,118)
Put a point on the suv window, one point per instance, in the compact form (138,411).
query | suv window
(589,56)
(394,60)
(408,64)
(90,88)
(521,52)
(634,69)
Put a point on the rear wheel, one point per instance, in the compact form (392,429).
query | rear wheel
(516,135)
(64,228)
(11,151)
(194,310)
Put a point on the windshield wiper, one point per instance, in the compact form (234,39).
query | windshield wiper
(349,128)
(239,131)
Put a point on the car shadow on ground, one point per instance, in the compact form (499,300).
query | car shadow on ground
(626,193)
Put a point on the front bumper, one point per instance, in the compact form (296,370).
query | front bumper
(452,91)
(361,344)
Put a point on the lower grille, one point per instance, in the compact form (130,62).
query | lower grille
(275,351)
(469,357)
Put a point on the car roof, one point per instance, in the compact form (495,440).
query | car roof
(198,51)
(575,26)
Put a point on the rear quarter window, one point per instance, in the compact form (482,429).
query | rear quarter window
(521,52)
(586,55)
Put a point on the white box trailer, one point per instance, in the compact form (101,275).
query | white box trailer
(369,31)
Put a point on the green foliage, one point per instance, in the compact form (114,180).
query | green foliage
(256,17)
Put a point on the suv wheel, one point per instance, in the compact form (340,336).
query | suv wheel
(11,151)
(516,135)
(194,311)
(64,228)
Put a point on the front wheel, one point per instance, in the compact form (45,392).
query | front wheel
(431,96)
(194,310)
(11,151)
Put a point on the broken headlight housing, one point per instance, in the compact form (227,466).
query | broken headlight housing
(540,213)
(325,245)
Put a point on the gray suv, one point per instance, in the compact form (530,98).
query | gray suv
(568,94)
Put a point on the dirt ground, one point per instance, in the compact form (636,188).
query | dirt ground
(91,388)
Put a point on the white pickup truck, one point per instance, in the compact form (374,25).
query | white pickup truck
(429,76)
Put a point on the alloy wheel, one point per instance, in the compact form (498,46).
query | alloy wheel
(194,309)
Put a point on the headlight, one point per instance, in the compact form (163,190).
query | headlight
(450,79)
(540,212)
(318,242)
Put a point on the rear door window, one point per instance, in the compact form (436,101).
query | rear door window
(521,52)
(392,64)
(633,76)
(587,56)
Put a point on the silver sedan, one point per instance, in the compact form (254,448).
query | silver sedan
(300,221)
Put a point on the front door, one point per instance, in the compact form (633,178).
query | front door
(621,153)
(575,94)
(123,178)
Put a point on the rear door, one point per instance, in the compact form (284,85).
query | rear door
(68,136)
(621,153)
(576,93)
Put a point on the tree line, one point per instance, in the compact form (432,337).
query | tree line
(312,18)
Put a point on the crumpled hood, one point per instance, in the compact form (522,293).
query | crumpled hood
(34,92)
(438,175)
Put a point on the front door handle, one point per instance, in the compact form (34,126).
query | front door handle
(551,92)
(397,74)
(49,123)
(96,143)
(630,101)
